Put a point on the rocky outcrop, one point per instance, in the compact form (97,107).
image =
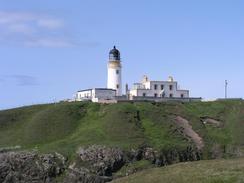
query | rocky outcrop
(30,167)
(102,160)
(83,175)
(94,164)
(166,157)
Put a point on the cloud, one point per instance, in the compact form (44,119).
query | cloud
(24,80)
(9,18)
(49,42)
(30,29)
(50,23)
(13,17)
(1,80)
(19,80)
(20,28)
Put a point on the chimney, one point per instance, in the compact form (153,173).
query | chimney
(127,90)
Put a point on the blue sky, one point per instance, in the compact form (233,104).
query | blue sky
(50,49)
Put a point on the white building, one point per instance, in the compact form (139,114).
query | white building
(145,90)
(96,95)
(157,89)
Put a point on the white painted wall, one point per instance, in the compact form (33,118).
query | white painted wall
(95,94)
(115,78)
(83,95)
(103,94)
(150,90)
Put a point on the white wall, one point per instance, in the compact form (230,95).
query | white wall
(95,95)
(150,90)
(103,94)
(83,95)
(115,78)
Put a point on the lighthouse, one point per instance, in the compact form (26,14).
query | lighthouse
(114,71)
(146,90)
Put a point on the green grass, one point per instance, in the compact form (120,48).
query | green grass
(132,168)
(213,171)
(64,127)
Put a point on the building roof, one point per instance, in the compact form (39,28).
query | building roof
(163,81)
(96,89)
(114,51)
(114,54)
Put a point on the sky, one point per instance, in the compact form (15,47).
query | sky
(51,49)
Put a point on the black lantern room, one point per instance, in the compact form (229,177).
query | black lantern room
(114,54)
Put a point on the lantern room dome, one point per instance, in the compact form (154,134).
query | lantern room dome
(114,54)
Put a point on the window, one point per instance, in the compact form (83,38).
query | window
(162,87)
(155,87)
(170,87)
(117,71)
(117,86)
(171,95)
(144,94)
(155,95)
(182,95)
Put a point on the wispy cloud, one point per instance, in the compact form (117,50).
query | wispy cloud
(49,42)
(1,80)
(19,80)
(13,17)
(50,23)
(20,28)
(31,29)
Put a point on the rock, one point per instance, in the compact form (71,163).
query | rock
(165,157)
(149,154)
(135,155)
(29,167)
(83,175)
(94,164)
(101,160)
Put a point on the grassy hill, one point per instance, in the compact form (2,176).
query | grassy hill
(214,171)
(64,127)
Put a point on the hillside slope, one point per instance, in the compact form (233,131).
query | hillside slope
(104,142)
(226,171)
(66,126)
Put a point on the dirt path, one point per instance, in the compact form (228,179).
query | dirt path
(211,121)
(189,132)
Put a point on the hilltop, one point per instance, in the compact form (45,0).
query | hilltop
(143,134)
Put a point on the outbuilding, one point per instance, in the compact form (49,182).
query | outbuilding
(96,95)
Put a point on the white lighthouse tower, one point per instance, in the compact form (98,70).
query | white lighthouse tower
(114,71)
